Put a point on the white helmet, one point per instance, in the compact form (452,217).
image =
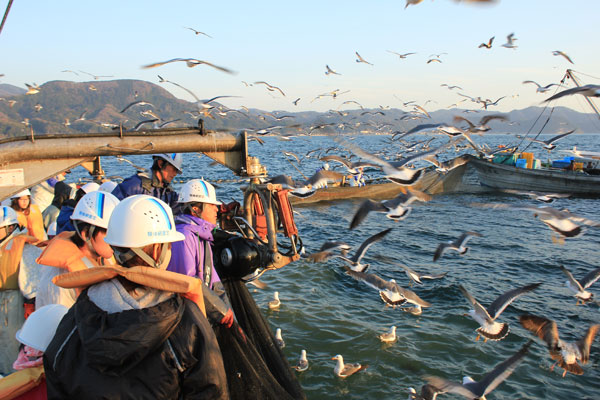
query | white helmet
(175,159)
(108,186)
(22,193)
(90,187)
(140,220)
(198,191)
(95,208)
(39,328)
(8,216)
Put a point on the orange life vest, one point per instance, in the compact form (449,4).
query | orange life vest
(21,382)
(61,252)
(34,222)
(10,258)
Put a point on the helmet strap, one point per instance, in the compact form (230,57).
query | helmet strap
(161,263)
(90,235)
(10,235)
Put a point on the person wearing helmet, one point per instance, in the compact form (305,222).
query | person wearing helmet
(63,221)
(62,192)
(29,214)
(194,256)
(108,186)
(157,183)
(76,250)
(125,337)
(13,238)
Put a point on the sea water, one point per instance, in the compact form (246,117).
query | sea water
(326,312)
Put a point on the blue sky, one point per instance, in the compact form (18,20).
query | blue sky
(288,45)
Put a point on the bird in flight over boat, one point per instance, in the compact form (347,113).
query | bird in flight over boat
(560,53)
(510,39)
(486,317)
(355,262)
(549,144)
(360,59)
(578,287)
(402,56)
(190,62)
(345,370)
(396,209)
(352,167)
(330,71)
(458,245)
(483,122)
(487,45)
(566,354)
(540,88)
(198,32)
(477,390)
(586,90)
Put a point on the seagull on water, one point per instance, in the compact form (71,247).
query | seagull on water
(302,364)
(578,287)
(396,209)
(458,245)
(415,277)
(566,354)
(275,303)
(355,261)
(490,329)
(477,390)
(389,336)
(279,339)
(345,370)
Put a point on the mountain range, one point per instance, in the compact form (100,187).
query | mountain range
(69,107)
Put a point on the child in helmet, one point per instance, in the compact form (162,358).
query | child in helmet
(71,251)
(63,220)
(193,256)
(129,336)
(158,183)
(29,214)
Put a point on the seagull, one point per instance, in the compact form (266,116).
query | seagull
(355,261)
(360,59)
(327,250)
(549,144)
(389,291)
(510,39)
(578,287)
(32,89)
(415,277)
(458,245)
(275,303)
(198,32)
(330,71)
(434,60)
(389,336)
(82,116)
(402,56)
(565,354)
(490,329)
(412,2)
(396,209)
(476,390)
(450,87)
(296,101)
(38,107)
(148,121)
(345,370)
(352,167)
(560,53)
(540,88)
(270,88)
(136,103)
(483,123)
(428,392)
(586,90)
(190,62)
(487,45)
(538,196)
(96,77)
(279,339)
(302,364)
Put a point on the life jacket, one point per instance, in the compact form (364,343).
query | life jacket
(11,252)
(61,252)
(22,383)
(34,222)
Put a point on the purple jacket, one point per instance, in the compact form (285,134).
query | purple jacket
(187,256)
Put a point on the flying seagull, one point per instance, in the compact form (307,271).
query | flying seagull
(415,277)
(402,56)
(560,53)
(475,390)
(190,62)
(327,249)
(540,88)
(136,103)
(487,45)
(565,354)
(586,90)
(270,87)
(360,59)
(549,144)
(330,71)
(578,287)
(396,209)
(352,167)
(198,32)
(486,317)
(510,39)
(458,245)
(355,261)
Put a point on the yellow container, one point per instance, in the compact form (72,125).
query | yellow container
(529,158)
(578,166)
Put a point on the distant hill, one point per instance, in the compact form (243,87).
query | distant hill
(68,107)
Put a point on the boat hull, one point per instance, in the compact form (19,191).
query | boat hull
(500,177)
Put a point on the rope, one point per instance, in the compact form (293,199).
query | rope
(6,14)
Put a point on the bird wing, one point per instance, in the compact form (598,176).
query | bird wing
(590,278)
(192,62)
(323,176)
(479,309)
(440,250)
(451,387)
(158,64)
(572,279)
(543,328)
(363,154)
(500,372)
(339,159)
(363,210)
(488,118)
(139,124)
(412,297)
(461,118)
(567,93)
(585,343)
(373,280)
(289,153)
(535,83)
(434,276)
(498,305)
(367,243)
(562,135)
(465,237)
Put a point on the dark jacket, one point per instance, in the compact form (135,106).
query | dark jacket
(63,221)
(142,184)
(167,351)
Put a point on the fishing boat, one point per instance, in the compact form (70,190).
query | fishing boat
(558,177)
(432,182)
